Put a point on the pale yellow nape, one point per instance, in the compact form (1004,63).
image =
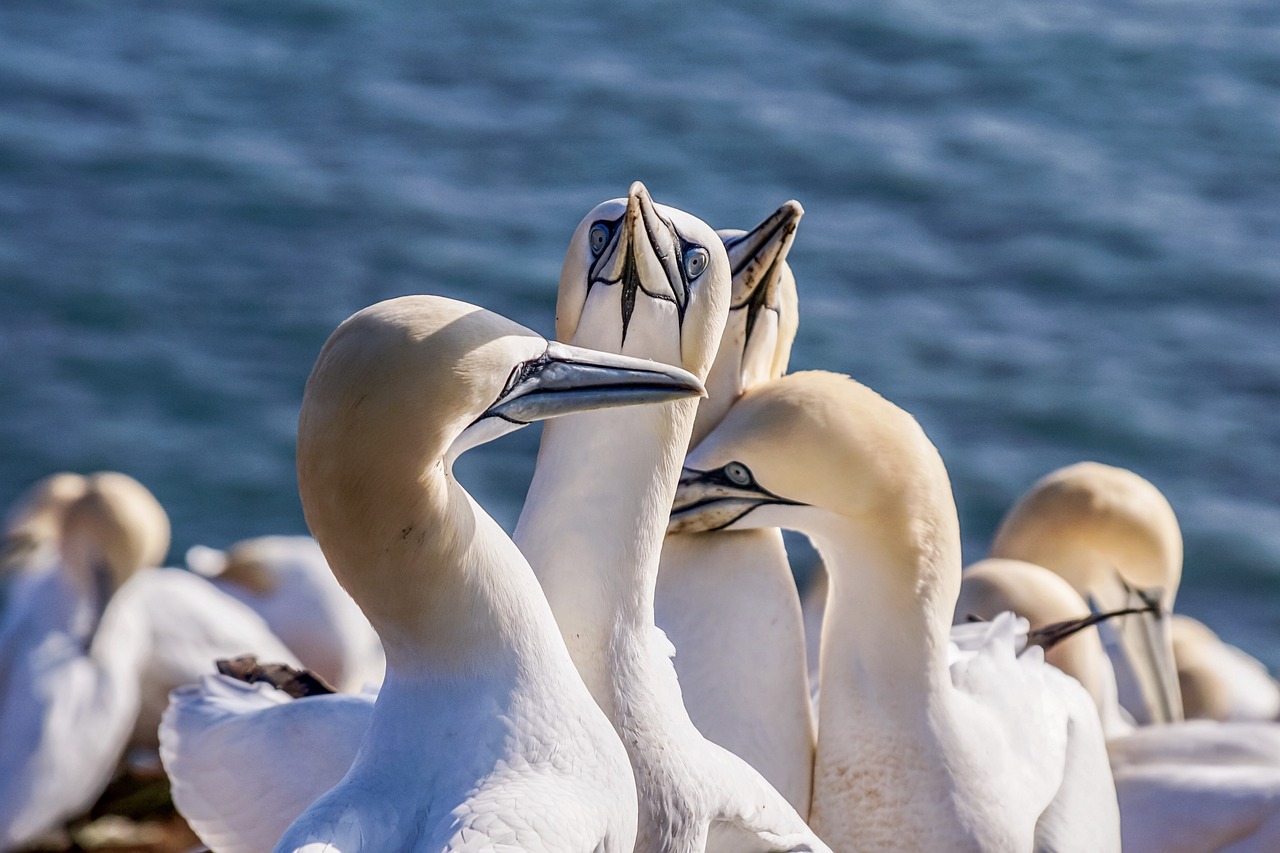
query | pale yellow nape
(992,586)
(392,389)
(828,422)
(118,523)
(34,522)
(1088,518)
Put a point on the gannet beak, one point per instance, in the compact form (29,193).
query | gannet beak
(710,500)
(645,248)
(756,260)
(567,379)
(1141,650)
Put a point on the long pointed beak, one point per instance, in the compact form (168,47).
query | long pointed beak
(756,259)
(1141,651)
(643,255)
(1048,636)
(567,379)
(709,500)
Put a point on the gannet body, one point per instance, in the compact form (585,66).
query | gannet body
(1112,536)
(305,746)
(218,811)
(919,747)
(648,280)
(29,546)
(483,735)
(1194,786)
(1219,681)
(727,600)
(286,580)
(86,666)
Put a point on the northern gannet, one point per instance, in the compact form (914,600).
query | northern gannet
(993,752)
(32,533)
(1218,681)
(727,600)
(286,580)
(98,638)
(33,524)
(649,280)
(1112,536)
(1195,786)
(483,735)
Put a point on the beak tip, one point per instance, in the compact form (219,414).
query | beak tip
(637,190)
(793,209)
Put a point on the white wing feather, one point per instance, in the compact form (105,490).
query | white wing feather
(245,760)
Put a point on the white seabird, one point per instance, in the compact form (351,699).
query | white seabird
(483,735)
(286,580)
(32,531)
(652,281)
(93,651)
(1112,536)
(993,752)
(1191,787)
(727,600)
(1217,680)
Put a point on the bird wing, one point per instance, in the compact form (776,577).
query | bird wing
(245,760)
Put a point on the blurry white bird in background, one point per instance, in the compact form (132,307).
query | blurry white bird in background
(286,580)
(92,649)
(1196,786)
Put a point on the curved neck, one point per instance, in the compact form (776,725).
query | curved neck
(887,622)
(443,585)
(594,522)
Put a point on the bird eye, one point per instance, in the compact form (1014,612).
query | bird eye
(738,474)
(599,237)
(696,261)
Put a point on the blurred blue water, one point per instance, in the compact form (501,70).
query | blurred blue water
(1051,233)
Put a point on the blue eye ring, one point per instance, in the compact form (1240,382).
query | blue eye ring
(598,237)
(738,474)
(696,261)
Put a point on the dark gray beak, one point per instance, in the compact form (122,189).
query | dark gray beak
(756,260)
(1141,652)
(567,379)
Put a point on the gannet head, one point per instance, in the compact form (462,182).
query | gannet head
(398,391)
(34,522)
(1206,684)
(763,314)
(110,532)
(818,452)
(1113,536)
(412,382)
(645,279)
(994,585)
(250,564)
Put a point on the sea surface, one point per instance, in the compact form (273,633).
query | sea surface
(1050,231)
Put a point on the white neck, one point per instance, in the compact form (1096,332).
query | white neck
(884,638)
(443,585)
(886,716)
(593,526)
(727,601)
